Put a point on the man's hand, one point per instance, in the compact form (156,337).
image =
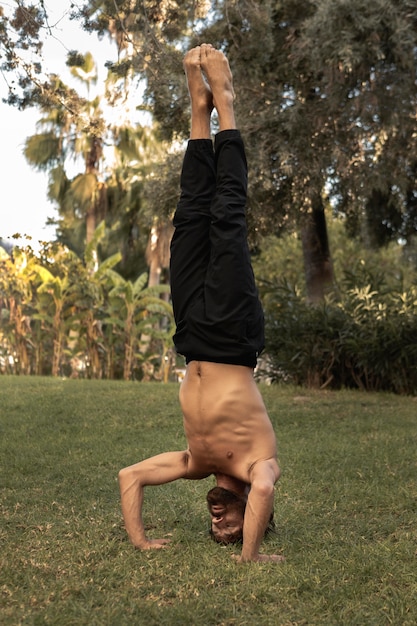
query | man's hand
(153,544)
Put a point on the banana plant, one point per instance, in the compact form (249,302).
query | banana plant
(53,293)
(90,289)
(130,305)
(16,307)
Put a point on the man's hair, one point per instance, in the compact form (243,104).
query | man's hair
(229,497)
(226,497)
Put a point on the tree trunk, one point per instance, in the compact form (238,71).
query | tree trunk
(58,337)
(97,209)
(90,221)
(317,260)
(157,257)
(157,251)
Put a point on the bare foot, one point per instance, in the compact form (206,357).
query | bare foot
(200,95)
(217,71)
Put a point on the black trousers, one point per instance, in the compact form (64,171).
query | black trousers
(216,307)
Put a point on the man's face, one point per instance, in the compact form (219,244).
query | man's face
(227,511)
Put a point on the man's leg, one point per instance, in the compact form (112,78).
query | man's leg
(231,298)
(190,247)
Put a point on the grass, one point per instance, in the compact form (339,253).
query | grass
(345,511)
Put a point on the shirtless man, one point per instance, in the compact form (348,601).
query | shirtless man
(219,331)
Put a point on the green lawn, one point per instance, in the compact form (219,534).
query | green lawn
(345,512)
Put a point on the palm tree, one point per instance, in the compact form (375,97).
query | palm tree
(114,159)
(73,134)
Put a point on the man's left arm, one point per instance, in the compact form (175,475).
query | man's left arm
(157,470)
(258,511)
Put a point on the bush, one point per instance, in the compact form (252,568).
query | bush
(366,340)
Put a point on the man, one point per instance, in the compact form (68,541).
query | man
(219,331)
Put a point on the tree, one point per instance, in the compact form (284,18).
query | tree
(74,128)
(326,99)
(65,137)
(367,63)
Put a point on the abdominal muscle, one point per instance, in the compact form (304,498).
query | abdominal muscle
(225,421)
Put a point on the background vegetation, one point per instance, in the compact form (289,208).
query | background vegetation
(326,100)
(65,317)
(361,336)
(345,511)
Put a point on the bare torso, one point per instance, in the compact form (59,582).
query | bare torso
(225,421)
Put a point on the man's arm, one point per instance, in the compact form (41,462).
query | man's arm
(157,470)
(258,511)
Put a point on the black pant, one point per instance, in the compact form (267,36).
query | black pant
(217,311)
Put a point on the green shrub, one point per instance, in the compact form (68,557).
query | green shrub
(367,339)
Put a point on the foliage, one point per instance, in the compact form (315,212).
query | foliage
(325,97)
(64,316)
(76,136)
(366,340)
(345,510)
(279,259)
(103,186)
(361,336)
(135,309)
(326,100)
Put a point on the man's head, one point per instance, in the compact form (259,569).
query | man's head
(227,510)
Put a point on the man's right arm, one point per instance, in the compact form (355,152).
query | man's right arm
(157,470)
(258,511)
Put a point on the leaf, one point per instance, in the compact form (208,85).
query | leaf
(84,188)
(140,283)
(44,274)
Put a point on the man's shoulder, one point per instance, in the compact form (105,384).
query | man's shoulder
(265,469)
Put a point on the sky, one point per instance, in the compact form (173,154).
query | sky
(24,207)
